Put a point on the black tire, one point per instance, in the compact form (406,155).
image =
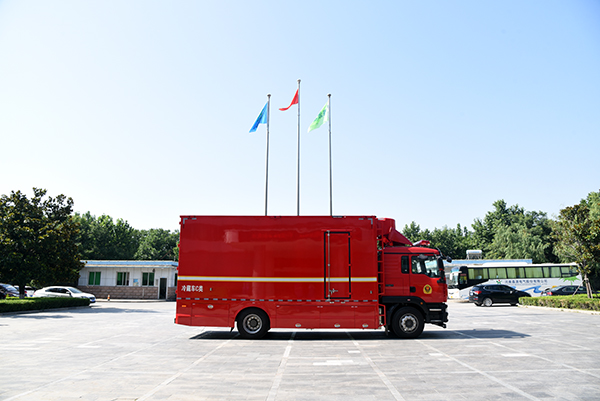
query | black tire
(408,322)
(487,302)
(252,323)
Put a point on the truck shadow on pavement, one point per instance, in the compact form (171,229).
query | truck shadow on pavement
(362,335)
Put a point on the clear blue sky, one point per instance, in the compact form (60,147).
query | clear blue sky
(141,109)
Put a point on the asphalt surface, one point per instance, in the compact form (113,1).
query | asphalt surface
(134,351)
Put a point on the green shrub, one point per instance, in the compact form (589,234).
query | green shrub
(29,304)
(564,302)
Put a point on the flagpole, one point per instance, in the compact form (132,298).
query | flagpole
(330,174)
(267,161)
(298,179)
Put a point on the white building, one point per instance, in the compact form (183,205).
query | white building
(129,279)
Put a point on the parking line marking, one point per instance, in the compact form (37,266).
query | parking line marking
(279,375)
(84,371)
(178,374)
(378,371)
(489,376)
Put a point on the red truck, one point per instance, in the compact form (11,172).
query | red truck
(310,272)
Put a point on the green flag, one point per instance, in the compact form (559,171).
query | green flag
(321,118)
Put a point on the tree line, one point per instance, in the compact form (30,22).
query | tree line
(102,238)
(43,242)
(511,232)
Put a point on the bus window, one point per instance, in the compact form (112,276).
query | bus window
(553,271)
(568,271)
(497,272)
(478,274)
(515,272)
(534,272)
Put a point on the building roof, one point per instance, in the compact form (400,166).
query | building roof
(155,264)
(475,262)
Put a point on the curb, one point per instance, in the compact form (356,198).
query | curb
(24,312)
(588,312)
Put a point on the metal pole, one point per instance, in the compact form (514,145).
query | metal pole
(330,174)
(298,179)
(267,161)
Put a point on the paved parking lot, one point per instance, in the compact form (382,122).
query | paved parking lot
(133,351)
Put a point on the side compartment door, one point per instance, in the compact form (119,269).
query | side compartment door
(337,265)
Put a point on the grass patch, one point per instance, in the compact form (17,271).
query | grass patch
(29,304)
(565,302)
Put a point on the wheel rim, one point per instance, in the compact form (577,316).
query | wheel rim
(487,302)
(252,323)
(408,323)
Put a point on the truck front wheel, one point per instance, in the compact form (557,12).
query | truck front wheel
(252,323)
(408,323)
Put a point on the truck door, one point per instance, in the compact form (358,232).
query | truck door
(424,276)
(337,265)
(397,268)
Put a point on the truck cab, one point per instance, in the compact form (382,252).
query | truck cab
(413,288)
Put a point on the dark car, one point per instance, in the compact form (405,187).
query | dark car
(565,290)
(7,290)
(489,294)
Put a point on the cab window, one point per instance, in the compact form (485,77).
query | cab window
(404,265)
(426,264)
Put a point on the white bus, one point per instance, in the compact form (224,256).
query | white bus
(531,278)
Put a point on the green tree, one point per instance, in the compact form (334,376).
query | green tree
(103,239)
(158,244)
(453,242)
(413,232)
(513,224)
(38,240)
(577,232)
(517,242)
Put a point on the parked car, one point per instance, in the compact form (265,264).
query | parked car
(28,290)
(7,290)
(489,294)
(58,291)
(565,290)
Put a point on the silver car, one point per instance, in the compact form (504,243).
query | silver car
(57,291)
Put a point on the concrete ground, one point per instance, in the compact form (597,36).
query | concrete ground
(133,351)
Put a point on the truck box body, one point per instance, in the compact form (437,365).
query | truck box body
(300,271)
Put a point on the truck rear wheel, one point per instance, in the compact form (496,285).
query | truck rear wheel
(408,323)
(252,323)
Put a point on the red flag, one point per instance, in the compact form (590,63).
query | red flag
(294,101)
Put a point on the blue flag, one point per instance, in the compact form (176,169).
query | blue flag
(262,118)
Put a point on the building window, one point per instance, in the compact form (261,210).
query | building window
(94,278)
(123,278)
(148,279)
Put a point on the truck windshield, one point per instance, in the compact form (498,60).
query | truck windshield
(426,264)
